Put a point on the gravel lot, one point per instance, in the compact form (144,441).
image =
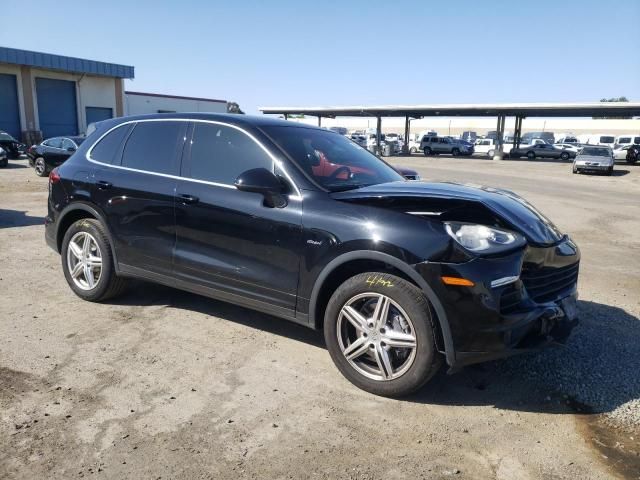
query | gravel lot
(166,384)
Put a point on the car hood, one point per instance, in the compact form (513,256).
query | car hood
(594,158)
(512,209)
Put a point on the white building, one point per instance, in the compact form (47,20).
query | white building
(138,103)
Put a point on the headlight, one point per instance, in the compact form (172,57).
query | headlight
(481,238)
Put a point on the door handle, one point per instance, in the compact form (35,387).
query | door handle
(102,185)
(188,199)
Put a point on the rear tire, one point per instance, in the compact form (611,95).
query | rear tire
(427,151)
(40,167)
(4,163)
(455,152)
(490,153)
(531,155)
(407,318)
(90,284)
(413,150)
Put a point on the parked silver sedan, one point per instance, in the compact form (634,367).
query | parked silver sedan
(594,159)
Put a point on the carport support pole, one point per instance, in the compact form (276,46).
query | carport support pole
(319,121)
(378,135)
(498,153)
(405,147)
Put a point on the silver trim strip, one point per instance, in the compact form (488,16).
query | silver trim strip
(499,282)
(426,213)
(275,161)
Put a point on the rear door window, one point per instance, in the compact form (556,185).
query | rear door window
(54,143)
(154,147)
(109,147)
(220,153)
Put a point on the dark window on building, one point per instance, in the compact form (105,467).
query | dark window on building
(153,147)
(106,149)
(220,153)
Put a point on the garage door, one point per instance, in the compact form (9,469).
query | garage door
(97,114)
(9,109)
(57,107)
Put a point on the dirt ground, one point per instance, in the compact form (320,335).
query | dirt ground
(166,384)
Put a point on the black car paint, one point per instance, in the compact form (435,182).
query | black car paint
(228,245)
(10,145)
(53,157)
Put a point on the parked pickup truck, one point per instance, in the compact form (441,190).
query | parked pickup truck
(542,150)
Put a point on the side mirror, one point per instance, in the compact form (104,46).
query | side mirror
(265,182)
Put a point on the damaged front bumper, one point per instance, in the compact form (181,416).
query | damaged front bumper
(520,302)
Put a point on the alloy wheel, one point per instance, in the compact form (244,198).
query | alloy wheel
(84,261)
(376,336)
(40,166)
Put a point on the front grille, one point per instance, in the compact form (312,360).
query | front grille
(546,283)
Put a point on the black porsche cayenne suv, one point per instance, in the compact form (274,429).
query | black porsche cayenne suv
(304,224)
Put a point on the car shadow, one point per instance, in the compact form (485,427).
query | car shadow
(141,293)
(590,374)
(18,218)
(12,164)
(580,376)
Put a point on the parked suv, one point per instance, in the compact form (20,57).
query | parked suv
(435,145)
(304,224)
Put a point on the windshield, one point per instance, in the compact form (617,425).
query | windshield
(333,161)
(6,136)
(598,152)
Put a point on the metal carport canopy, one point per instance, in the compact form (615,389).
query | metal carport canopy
(594,109)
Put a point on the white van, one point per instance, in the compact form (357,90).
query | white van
(599,139)
(624,140)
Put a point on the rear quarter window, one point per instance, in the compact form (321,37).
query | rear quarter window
(108,148)
(154,147)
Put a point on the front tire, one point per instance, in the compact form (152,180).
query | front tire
(413,150)
(564,156)
(87,262)
(4,163)
(531,155)
(379,332)
(490,153)
(40,167)
(427,151)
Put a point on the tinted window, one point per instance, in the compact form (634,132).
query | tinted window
(624,140)
(106,149)
(220,153)
(606,139)
(152,147)
(54,142)
(66,143)
(331,160)
(636,139)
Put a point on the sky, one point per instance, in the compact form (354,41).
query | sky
(328,52)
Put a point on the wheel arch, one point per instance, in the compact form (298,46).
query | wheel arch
(78,211)
(352,263)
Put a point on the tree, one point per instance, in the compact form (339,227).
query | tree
(233,107)
(614,99)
